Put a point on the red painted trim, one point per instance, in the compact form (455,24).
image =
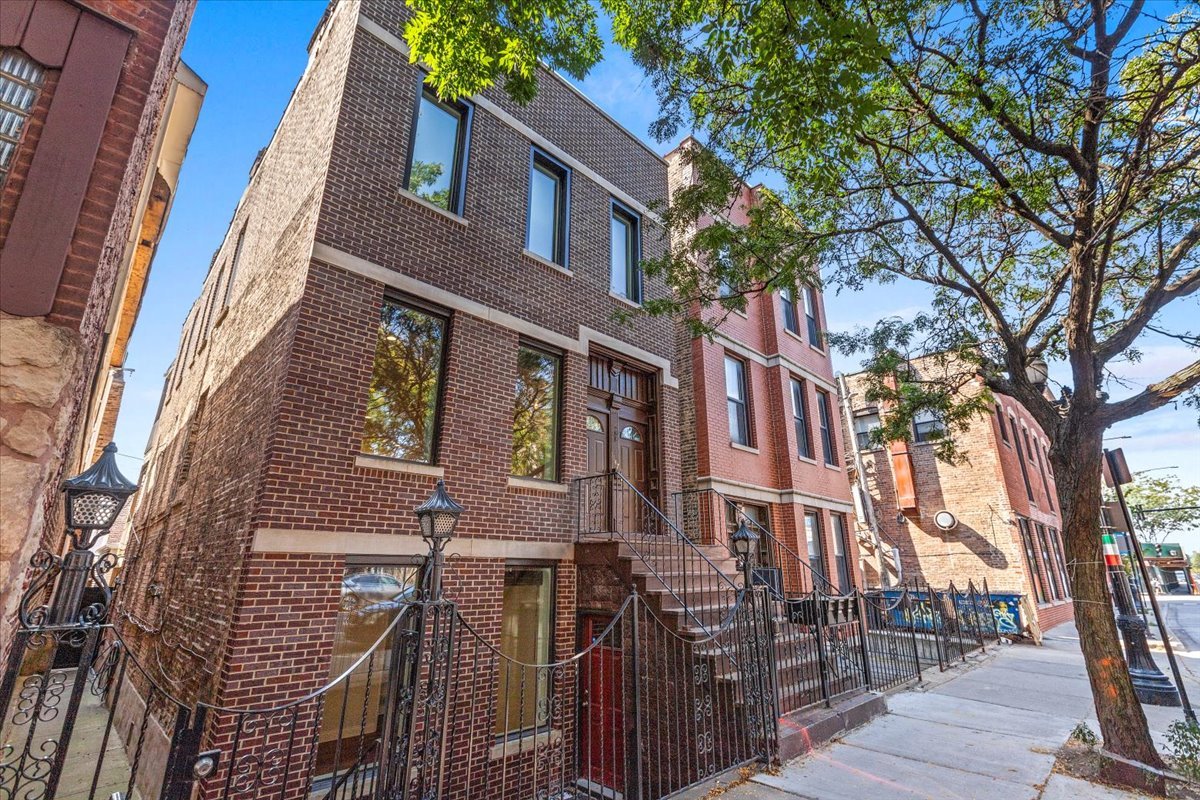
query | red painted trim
(13,20)
(48,35)
(44,223)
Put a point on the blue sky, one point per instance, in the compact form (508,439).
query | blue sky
(251,55)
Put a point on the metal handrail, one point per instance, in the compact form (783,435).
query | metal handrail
(817,580)
(725,593)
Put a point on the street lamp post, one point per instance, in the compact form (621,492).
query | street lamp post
(438,517)
(744,541)
(94,498)
(1150,684)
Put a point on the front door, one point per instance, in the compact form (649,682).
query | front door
(602,737)
(617,435)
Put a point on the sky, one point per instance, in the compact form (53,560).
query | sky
(251,55)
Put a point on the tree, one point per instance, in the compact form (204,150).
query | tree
(1195,560)
(1163,507)
(1034,162)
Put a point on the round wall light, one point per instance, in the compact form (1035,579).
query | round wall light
(945,520)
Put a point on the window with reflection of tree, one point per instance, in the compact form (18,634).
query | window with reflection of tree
(402,404)
(535,415)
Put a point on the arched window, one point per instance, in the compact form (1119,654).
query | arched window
(593,423)
(631,433)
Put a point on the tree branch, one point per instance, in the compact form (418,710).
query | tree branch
(1155,395)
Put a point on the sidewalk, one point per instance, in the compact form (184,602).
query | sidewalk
(987,732)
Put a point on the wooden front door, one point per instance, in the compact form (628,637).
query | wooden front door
(617,439)
(602,736)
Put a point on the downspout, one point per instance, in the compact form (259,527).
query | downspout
(862,498)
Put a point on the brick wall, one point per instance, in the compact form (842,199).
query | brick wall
(50,361)
(985,493)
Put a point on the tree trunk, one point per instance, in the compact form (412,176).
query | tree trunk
(1077,463)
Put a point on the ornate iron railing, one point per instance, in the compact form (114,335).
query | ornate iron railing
(704,515)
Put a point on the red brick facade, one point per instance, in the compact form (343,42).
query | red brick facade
(987,495)
(770,472)
(256,489)
(67,208)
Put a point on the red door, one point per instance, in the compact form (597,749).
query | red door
(602,729)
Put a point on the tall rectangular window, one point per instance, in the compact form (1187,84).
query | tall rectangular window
(1000,422)
(1042,471)
(800,419)
(841,548)
(812,536)
(825,420)
(863,425)
(372,594)
(626,276)
(20,82)
(1061,556)
(526,626)
(233,265)
(812,317)
(1031,560)
(1051,565)
(403,399)
(535,415)
(438,156)
(1021,460)
(787,299)
(549,201)
(737,396)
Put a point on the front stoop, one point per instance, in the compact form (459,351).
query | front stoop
(805,731)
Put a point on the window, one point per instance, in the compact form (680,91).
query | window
(1042,471)
(812,535)
(1021,460)
(863,425)
(1061,556)
(800,419)
(787,299)
(525,629)
(928,427)
(840,548)
(1000,422)
(402,403)
(549,201)
(1028,445)
(372,593)
(626,276)
(438,156)
(825,421)
(20,78)
(233,265)
(1051,565)
(535,415)
(758,520)
(737,396)
(811,316)
(1031,560)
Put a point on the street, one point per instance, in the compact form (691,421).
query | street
(987,731)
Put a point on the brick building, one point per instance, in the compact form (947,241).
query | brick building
(95,114)
(409,290)
(1003,522)
(763,432)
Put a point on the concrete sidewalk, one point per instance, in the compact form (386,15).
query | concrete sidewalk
(987,732)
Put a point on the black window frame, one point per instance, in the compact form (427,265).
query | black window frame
(923,429)
(862,439)
(444,361)
(818,543)
(825,425)
(813,319)
(633,253)
(1021,461)
(1000,423)
(787,301)
(1047,559)
(746,418)
(1031,560)
(541,161)
(557,355)
(841,561)
(458,180)
(804,444)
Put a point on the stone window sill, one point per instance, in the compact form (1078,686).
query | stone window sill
(744,447)
(545,262)
(367,461)
(421,201)
(793,334)
(526,743)
(536,484)
(624,299)
(834,467)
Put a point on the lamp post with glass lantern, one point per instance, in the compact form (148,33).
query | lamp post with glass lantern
(744,541)
(94,498)
(438,517)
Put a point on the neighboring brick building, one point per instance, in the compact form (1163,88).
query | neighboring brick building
(398,270)
(95,115)
(762,427)
(1005,524)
